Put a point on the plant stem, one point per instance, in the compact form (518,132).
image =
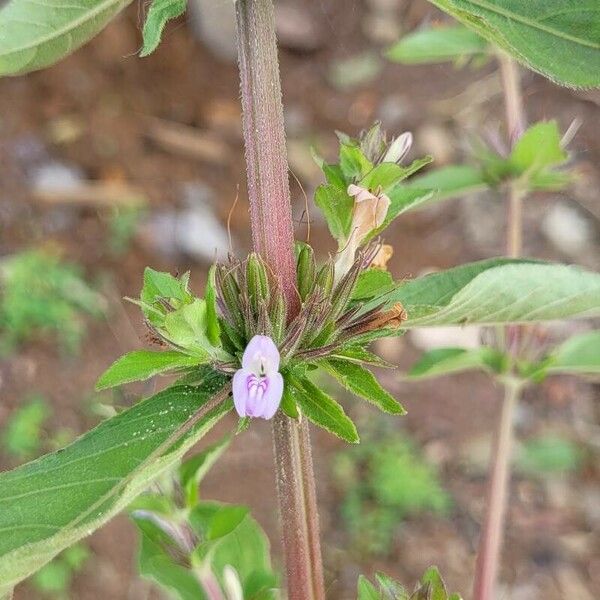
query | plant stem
(272,234)
(515,125)
(490,545)
(488,558)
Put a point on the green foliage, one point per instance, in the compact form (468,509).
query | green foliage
(372,163)
(22,437)
(321,409)
(363,383)
(549,454)
(384,480)
(184,322)
(553,37)
(452,181)
(55,578)
(498,291)
(579,354)
(140,365)
(36,35)
(438,44)
(443,361)
(536,152)
(41,294)
(188,546)
(430,587)
(159,13)
(64,496)
(534,162)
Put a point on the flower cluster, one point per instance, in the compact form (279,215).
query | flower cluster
(241,332)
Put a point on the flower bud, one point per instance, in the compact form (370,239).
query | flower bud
(305,271)
(278,315)
(229,289)
(324,279)
(256,280)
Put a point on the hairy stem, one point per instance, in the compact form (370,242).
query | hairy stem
(272,234)
(490,545)
(488,558)
(515,125)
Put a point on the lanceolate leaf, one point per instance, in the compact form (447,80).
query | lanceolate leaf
(60,498)
(143,364)
(159,13)
(362,382)
(323,410)
(558,38)
(580,354)
(498,291)
(437,44)
(38,34)
(450,182)
(443,361)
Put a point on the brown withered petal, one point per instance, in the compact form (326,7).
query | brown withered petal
(382,257)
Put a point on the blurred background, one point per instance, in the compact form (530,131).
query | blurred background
(110,163)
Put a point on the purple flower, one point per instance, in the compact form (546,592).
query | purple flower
(258,385)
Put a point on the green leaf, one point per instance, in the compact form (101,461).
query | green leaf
(402,198)
(387,175)
(443,361)
(580,354)
(193,470)
(362,382)
(60,498)
(366,590)
(336,206)
(322,409)
(38,34)
(288,403)
(390,587)
(187,328)
(372,283)
(557,38)
(159,13)
(353,163)
(156,563)
(499,291)
(244,546)
(362,355)
(452,181)
(213,329)
(437,589)
(140,365)
(437,44)
(537,148)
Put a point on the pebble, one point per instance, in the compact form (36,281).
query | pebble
(567,229)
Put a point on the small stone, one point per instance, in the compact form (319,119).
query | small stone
(213,24)
(194,230)
(55,175)
(357,70)
(297,29)
(429,338)
(382,28)
(437,141)
(392,111)
(568,229)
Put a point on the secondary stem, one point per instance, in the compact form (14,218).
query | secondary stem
(272,234)
(488,558)
(515,124)
(490,545)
